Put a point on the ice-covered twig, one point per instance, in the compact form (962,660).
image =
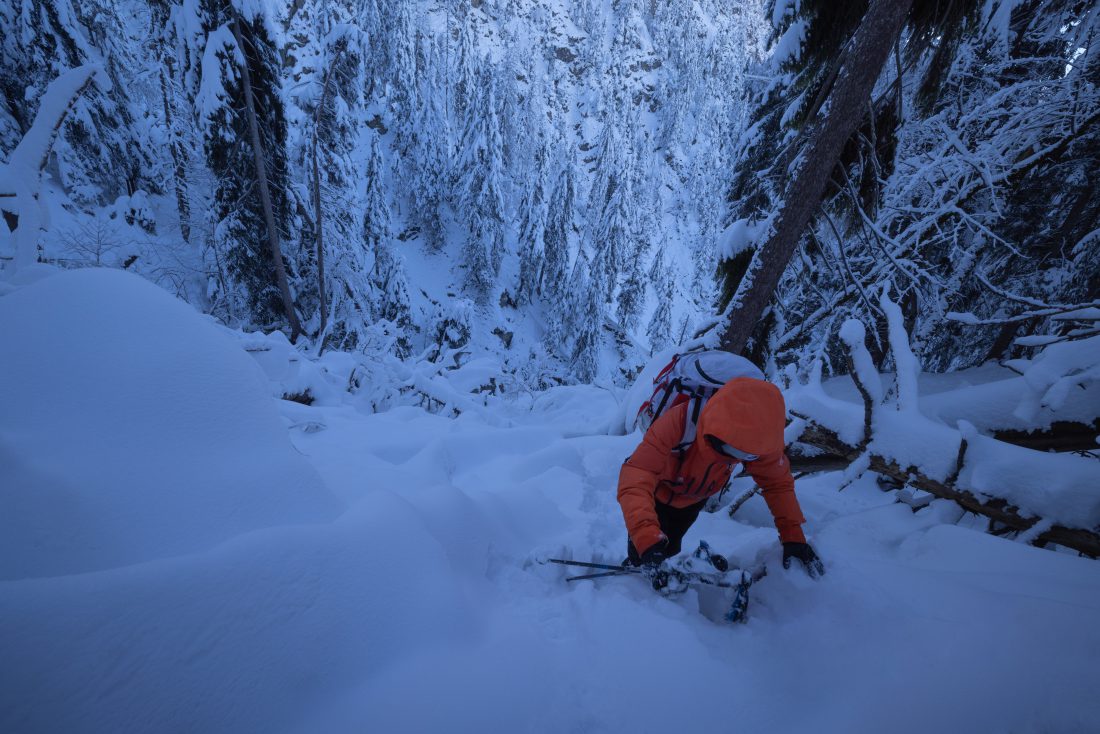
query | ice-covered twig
(1085,312)
(905,362)
(736,504)
(863,372)
(855,470)
(1060,313)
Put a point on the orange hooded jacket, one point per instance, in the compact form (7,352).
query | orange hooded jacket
(745,413)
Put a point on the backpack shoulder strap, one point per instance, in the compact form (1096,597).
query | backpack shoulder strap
(671,388)
(691,423)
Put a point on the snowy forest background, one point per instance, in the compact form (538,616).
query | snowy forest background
(532,168)
(568,186)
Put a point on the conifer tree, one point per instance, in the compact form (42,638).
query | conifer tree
(970,87)
(240,212)
(535,212)
(557,237)
(464,77)
(660,324)
(632,294)
(856,69)
(184,145)
(583,322)
(400,37)
(424,139)
(610,207)
(391,293)
(333,274)
(478,187)
(642,230)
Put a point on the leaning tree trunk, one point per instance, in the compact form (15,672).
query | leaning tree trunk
(265,191)
(860,66)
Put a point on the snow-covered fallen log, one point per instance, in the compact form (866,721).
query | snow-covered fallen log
(1052,498)
(987,504)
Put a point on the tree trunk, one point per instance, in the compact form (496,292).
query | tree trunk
(322,301)
(861,64)
(265,192)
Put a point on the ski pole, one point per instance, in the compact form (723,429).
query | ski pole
(585,564)
(600,575)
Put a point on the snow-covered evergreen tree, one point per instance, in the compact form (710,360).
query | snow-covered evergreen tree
(583,321)
(478,187)
(557,238)
(423,136)
(534,210)
(610,209)
(659,330)
(240,230)
(391,297)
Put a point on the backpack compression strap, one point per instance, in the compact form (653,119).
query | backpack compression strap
(705,376)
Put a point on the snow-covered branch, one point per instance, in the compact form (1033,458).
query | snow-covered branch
(20,177)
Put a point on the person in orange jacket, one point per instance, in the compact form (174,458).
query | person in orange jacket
(662,490)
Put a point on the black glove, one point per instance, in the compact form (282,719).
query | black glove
(804,553)
(653,561)
(656,554)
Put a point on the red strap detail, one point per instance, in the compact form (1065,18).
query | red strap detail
(668,368)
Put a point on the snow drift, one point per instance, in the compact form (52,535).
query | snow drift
(133,428)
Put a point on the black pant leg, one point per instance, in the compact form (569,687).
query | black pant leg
(674,522)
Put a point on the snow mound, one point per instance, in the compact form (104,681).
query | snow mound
(133,428)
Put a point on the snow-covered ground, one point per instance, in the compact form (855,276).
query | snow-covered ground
(181,552)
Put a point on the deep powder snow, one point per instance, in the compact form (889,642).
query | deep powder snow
(184,553)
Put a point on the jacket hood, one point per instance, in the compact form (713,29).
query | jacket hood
(746,413)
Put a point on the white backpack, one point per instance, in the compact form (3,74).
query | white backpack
(692,377)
